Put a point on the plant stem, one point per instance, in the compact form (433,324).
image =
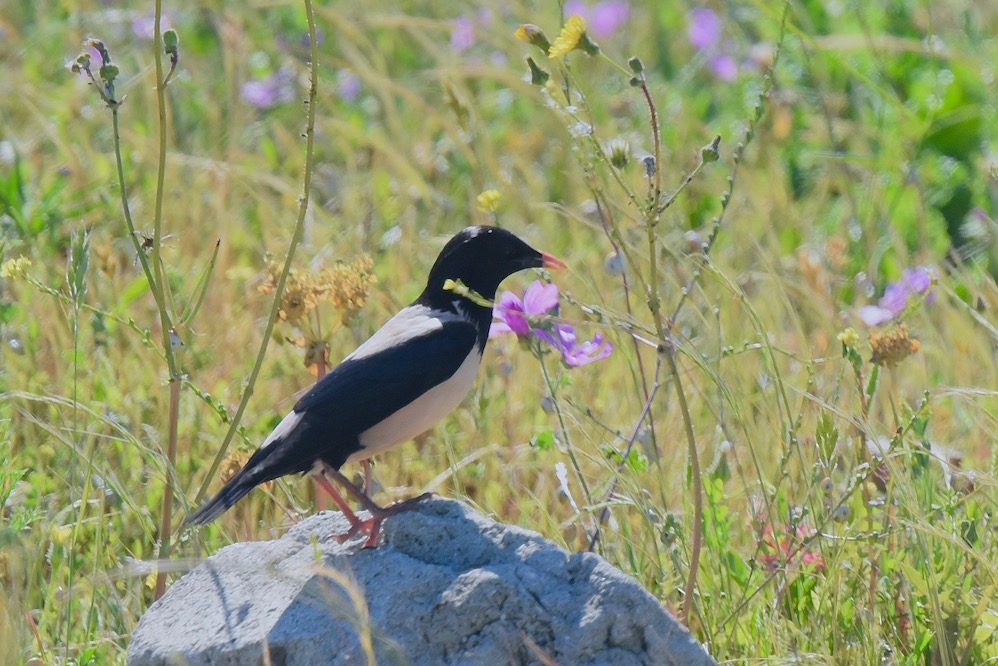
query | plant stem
(166,517)
(295,242)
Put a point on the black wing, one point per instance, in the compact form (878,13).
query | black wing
(355,396)
(360,393)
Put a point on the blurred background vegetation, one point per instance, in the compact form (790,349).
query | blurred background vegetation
(848,504)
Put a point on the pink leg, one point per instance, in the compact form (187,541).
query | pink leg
(372,525)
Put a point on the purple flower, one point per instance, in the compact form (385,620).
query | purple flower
(574,353)
(602,19)
(538,299)
(724,67)
(144,26)
(541,299)
(96,59)
(897,296)
(348,85)
(462,34)
(704,32)
(704,28)
(276,89)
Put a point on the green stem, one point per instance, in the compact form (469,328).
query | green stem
(295,241)
(552,391)
(160,286)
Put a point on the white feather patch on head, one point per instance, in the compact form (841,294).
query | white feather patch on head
(411,322)
(283,429)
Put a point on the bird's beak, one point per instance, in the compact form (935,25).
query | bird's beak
(552,263)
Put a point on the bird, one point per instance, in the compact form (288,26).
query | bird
(408,375)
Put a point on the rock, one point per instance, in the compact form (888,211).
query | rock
(446,586)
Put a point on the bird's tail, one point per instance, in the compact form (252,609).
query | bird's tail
(233,491)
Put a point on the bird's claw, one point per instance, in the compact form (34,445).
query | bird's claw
(372,526)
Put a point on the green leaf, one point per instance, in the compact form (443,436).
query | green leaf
(826,434)
(871,386)
(134,291)
(544,440)
(637,461)
(78,267)
(200,290)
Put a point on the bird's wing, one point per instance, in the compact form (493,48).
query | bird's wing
(367,388)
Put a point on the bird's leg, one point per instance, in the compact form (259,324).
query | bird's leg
(371,526)
(365,464)
(322,482)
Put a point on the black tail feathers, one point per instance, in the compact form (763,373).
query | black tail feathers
(233,491)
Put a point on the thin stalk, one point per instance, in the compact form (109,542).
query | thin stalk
(550,384)
(166,514)
(697,491)
(295,242)
(667,348)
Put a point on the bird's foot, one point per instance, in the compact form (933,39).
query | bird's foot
(372,526)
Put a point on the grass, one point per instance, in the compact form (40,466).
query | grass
(843,510)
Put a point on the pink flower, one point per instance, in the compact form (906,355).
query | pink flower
(542,299)
(574,353)
(704,29)
(143,26)
(538,299)
(462,34)
(602,19)
(897,295)
(265,93)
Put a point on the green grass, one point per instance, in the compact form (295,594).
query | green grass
(870,149)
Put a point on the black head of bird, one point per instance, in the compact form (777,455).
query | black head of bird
(411,373)
(480,258)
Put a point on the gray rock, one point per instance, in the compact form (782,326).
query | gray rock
(446,586)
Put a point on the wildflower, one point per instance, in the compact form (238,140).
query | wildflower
(265,93)
(604,18)
(15,268)
(574,353)
(144,26)
(891,347)
(345,285)
(542,299)
(849,337)
(787,546)
(538,299)
(488,201)
(898,295)
(538,77)
(619,151)
(724,66)
(348,85)
(570,37)
(462,34)
(704,32)
(704,29)
(530,33)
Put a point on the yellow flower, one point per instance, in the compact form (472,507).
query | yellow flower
(530,33)
(849,337)
(15,268)
(488,201)
(569,38)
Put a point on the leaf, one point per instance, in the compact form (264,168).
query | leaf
(133,291)
(826,434)
(78,267)
(200,290)
(871,385)
(544,440)
(637,461)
